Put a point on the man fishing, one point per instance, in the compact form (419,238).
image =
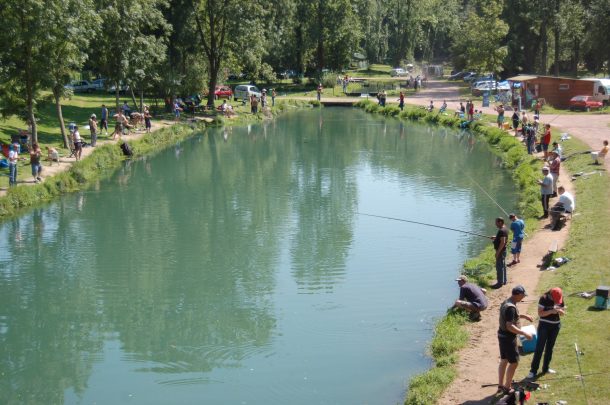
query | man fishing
(472,298)
(499,242)
(507,338)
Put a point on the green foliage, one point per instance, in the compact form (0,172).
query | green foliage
(481,52)
(449,338)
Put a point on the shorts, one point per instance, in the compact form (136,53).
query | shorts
(545,146)
(508,349)
(500,120)
(118,127)
(515,247)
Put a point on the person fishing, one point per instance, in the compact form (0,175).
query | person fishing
(472,298)
(499,242)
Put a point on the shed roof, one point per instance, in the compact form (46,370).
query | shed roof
(522,78)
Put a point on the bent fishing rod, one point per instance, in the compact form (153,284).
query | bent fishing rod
(423,223)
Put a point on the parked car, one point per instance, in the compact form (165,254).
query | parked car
(397,72)
(99,84)
(586,103)
(123,88)
(81,86)
(223,92)
(245,90)
(458,75)
(287,74)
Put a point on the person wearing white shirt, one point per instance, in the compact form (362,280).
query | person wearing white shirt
(566,204)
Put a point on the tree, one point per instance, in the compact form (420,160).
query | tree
(24,56)
(133,39)
(72,23)
(482,52)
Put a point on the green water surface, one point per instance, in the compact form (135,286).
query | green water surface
(234,268)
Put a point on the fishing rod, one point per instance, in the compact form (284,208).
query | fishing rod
(425,224)
(582,380)
(486,193)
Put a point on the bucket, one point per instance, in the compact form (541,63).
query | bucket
(529,346)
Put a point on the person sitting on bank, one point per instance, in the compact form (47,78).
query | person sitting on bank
(472,298)
(565,205)
(600,154)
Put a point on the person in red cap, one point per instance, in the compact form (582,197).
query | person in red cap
(550,309)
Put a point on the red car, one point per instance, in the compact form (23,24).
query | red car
(586,103)
(223,92)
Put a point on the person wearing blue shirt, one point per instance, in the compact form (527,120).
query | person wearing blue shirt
(517,226)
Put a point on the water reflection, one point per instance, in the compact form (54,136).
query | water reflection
(240,251)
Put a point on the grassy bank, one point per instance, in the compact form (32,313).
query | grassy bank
(449,334)
(106,158)
(99,164)
(587,249)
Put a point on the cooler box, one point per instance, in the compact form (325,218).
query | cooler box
(601,297)
(529,346)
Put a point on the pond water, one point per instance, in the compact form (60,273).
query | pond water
(235,268)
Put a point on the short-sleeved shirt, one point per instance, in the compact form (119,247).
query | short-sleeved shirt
(473,294)
(547,185)
(546,303)
(502,233)
(567,200)
(555,165)
(104,113)
(517,227)
(13,156)
(511,314)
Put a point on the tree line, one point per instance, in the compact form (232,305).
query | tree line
(170,47)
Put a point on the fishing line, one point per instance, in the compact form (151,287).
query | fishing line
(423,223)
(486,193)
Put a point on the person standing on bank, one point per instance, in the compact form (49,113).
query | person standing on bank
(93,129)
(104,120)
(499,242)
(507,338)
(13,159)
(472,298)
(546,190)
(517,226)
(35,154)
(550,308)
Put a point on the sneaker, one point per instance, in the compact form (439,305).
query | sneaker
(551,371)
(531,375)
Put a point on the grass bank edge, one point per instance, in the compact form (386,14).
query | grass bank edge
(101,163)
(105,159)
(449,334)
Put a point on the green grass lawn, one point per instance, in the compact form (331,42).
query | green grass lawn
(589,328)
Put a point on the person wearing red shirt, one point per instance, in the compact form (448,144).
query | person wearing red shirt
(546,140)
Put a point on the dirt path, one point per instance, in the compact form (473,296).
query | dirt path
(52,168)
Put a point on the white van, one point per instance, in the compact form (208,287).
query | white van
(601,89)
(245,91)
